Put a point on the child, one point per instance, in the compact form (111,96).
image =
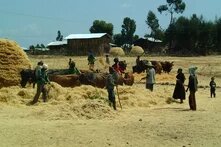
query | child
(212,88)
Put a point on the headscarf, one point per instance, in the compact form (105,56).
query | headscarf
(179,70)
(192,70)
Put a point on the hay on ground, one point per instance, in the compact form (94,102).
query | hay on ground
(84,102)
(12,60)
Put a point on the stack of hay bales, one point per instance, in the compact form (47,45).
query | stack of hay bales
(117,51)
(136,50)
(12,60)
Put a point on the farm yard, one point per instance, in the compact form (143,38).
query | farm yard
(80,116)
(92,74)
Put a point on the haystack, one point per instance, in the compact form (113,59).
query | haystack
(12,60)
(117,51)
(136,50)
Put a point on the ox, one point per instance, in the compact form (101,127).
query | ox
(28,75)
(167,66)
(142,66)
(157,66)
(129,79)
(97,79)
(71,80)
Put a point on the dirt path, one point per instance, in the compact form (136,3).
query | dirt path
(169,125)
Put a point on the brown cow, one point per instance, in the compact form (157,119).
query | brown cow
(157,66)
(66,80)
(167,66)
(129,79)
(94,79)
(97,79)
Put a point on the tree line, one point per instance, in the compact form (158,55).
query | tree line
(184,35)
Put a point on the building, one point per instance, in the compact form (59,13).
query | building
(57,46)
(81,44)
(149,45)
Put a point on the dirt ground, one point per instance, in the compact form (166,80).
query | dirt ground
(137,124)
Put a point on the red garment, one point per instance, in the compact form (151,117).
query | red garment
(117,68)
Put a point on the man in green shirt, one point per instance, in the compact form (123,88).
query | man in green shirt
(91,60)
(72,69)
(42,80)
(110,83)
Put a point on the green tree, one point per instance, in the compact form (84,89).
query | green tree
(100,26)
(42,45)
(153,24)
(194,35)
(172,6)
(32,49)
(128,30)
(37,46)
(118,39)
(218,35)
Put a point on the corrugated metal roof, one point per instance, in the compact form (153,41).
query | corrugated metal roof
(85,36)
(153,39)
(56,43)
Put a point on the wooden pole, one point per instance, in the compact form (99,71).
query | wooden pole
(118,97)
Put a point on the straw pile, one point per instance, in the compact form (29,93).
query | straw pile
(136,50)
(12,60)
(117,51)
(84,102)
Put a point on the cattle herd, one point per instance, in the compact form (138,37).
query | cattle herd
(72,80)
(159,66)
(96,79)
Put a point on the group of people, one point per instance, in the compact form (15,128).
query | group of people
(115,71)
(180,92)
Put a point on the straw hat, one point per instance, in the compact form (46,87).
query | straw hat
(45,66)
(149,64)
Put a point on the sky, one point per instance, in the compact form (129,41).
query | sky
(32,22)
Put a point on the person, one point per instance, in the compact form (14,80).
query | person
(91,60)
(72,69)
(138,60)
(107,59)
(110,83)
(179,91)
(212,87)
(41,82)
(69,63)
(36,70)
(116,66)
(150,78)
(192,86)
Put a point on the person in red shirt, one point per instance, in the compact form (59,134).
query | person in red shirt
(116,66)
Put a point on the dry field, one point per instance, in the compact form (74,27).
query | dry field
(81,116)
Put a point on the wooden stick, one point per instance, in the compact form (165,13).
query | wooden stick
(118,97)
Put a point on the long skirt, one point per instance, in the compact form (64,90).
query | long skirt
(179,91)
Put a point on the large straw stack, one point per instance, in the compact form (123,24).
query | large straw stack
(136,50)
(12,60)
(117,51)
